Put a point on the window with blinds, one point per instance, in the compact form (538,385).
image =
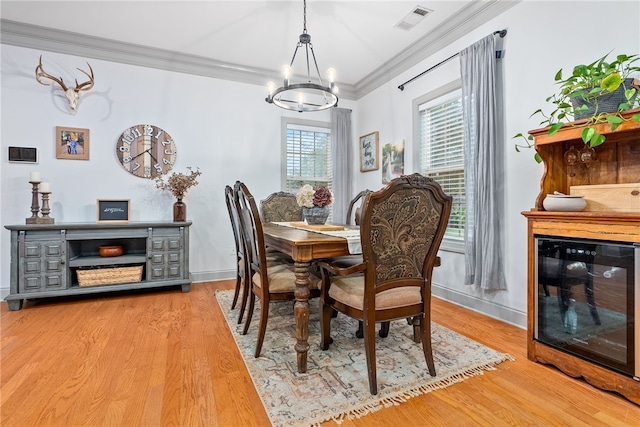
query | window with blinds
(308,156)
(441,153)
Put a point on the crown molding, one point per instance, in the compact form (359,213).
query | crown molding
(67,42)
(473,16)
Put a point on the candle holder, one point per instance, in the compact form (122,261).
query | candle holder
(35,207)
(45,219)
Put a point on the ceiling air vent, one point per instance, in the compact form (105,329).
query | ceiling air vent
(416,15)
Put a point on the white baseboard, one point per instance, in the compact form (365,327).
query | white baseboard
(496,311)
(488,308)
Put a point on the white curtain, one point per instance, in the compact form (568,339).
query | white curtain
(484,165)
(341,155)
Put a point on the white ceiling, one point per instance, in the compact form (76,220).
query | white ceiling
(357,38)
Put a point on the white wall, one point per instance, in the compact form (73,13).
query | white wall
(227,130)
(543,36)
(224,128)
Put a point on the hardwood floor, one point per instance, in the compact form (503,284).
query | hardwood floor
(164,358)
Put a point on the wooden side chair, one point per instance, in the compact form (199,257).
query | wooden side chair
(356,203)
(280,207)
(241,260)
(269,280)
(402,227)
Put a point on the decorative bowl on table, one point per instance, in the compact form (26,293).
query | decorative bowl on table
(564,202)
(110,251)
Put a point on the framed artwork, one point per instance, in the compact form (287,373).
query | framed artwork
(72,143)
(369,152)
(113,210)
(392,161)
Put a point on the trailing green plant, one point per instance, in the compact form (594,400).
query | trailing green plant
(581,94)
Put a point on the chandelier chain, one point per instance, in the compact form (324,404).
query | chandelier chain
(304,14)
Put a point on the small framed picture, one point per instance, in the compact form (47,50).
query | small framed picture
(113,210)
(369,152)
(72,143)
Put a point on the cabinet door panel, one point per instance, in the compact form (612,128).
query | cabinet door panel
(42,267)
(167,254)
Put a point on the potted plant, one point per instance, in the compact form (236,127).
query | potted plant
(594,93)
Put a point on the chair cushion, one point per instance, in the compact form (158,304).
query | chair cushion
(282,279)
(349,290)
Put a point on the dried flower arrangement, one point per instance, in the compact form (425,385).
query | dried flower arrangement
(179,183)
(308,197)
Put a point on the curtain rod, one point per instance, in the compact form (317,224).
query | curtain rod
(502,33)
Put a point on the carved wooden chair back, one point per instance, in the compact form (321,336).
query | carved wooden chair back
(356,203)
(280,207)
(401,230)
(271,277)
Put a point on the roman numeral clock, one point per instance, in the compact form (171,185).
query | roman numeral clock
(146,151)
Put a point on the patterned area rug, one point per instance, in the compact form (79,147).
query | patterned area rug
(336,385)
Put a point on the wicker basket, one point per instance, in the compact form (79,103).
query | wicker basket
(109,276)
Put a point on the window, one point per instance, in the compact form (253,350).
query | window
(440,134)
(307,152)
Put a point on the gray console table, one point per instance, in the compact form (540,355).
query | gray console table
(45,258)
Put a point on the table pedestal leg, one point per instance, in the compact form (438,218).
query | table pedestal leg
(301,312)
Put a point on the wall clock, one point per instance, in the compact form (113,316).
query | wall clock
(146,151)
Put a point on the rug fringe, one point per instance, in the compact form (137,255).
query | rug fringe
(405,395)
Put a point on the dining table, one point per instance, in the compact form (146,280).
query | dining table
(304,246)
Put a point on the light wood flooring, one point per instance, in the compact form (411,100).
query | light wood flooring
(164,358)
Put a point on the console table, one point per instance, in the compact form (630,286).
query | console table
(45,259)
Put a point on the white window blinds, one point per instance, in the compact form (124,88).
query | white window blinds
(308,157)
(441,153)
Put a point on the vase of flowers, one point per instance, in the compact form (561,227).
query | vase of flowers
(178,184)
(315,203)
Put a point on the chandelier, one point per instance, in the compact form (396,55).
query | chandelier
(307,96)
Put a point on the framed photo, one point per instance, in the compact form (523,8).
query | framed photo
(113,210)
(369,152)
(392,161)
(72,143)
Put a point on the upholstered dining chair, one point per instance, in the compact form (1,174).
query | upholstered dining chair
(268,280)
(241,260)
(280,207)
(401,230)
(356,203)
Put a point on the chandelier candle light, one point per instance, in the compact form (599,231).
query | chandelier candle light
(308,96)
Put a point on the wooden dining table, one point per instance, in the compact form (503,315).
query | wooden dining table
(304,247)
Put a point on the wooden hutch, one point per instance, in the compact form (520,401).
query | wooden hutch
(618,161)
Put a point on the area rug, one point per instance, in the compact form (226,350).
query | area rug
(336,385)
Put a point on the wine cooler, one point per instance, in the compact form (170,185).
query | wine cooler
(588,300)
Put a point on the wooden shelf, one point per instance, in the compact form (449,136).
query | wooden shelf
(88,261)
(618,159)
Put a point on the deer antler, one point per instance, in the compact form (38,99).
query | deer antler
(72,94)
(41,73)
(89,82)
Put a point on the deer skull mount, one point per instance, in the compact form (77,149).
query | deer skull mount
(72,94)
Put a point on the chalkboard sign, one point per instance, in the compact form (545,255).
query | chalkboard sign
(113,210)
